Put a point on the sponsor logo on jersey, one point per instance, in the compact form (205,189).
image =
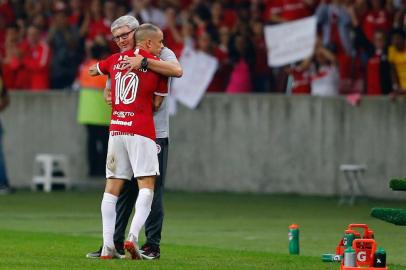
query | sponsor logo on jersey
(122,114)
(119,66)
(122,123)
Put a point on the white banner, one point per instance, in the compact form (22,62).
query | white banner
(290,42)
(198,71)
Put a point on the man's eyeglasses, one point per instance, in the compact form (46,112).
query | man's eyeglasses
(124,36)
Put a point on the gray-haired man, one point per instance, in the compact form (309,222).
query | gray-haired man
(123,35)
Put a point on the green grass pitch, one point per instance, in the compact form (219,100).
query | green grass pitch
(201,231)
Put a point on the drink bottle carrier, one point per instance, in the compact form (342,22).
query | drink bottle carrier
(364,245)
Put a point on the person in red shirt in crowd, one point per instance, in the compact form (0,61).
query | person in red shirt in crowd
(3,32)
(279,11)
(172,32)
(6,12)
(300,77)
(220,78)
(222,17)
(379,80)
(376,19)
(13,76)
(336,19)
(132,151)
(95,24)
(76,16)
(36,57)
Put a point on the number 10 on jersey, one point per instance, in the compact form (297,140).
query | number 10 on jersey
(126,87)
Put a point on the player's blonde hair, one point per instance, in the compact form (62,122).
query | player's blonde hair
(144,31)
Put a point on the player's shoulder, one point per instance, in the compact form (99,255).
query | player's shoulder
(147,54)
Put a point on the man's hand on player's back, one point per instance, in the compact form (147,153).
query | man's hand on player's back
(131,63)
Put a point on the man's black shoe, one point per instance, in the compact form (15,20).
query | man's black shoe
(94,255)
(150,252)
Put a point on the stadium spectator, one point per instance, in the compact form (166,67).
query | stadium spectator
(95,25)
(110,12)
(2,36)
(397,52)
(399,15)
(221,77)
(377,18)
(40,22)
(242,56)
(35,60)
(64,41)
(202,19)
(12,62)
(77,15)
(279,11)
(335,21)
(379,79)
(324,73)
(172,32)
(299,78)
(93,112)
(261,73)
(146,13)
(4,102)
(7,12)
(378,69)
(222,17)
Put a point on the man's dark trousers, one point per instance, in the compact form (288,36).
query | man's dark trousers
(127,198)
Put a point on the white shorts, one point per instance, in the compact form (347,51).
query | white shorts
(131,155)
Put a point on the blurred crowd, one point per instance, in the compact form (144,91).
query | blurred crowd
(360,47)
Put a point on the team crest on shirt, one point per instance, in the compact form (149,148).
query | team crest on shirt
(158,148)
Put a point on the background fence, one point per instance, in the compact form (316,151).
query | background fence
(240,143)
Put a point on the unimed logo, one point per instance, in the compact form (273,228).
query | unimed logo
(362,256)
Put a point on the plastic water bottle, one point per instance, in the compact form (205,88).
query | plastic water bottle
(349,257)
(331,258)
(380,258)
(293,239)
(348,238)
